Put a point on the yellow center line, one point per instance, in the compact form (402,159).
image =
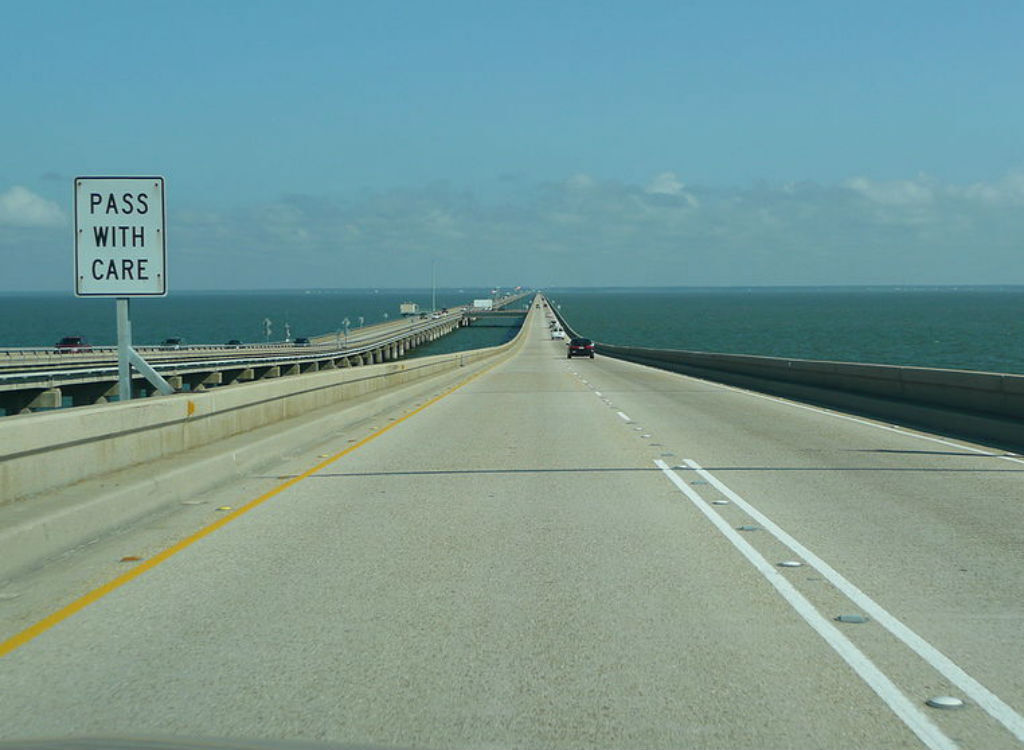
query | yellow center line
(96,594)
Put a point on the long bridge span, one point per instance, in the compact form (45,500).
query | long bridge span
(513,548)
(33,379)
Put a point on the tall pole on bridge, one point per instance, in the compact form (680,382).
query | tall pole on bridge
(124,345)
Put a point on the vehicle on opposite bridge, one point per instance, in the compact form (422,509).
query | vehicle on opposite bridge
(71,345)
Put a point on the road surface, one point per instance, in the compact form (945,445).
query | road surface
(558,553)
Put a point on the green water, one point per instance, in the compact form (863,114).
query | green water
(967,328)
(964,328)
(217,317)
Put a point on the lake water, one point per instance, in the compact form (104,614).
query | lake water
(965,328)
(217,317)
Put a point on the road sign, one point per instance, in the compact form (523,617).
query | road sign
(120,237)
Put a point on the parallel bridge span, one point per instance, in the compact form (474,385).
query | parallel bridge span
(35,379)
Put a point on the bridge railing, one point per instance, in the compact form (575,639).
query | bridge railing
(86,378)
(43,454)
(985,406)
(355,336)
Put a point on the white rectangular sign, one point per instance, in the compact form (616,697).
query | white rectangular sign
(120,238)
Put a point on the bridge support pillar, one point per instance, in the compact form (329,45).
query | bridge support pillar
(271,372)
(23,402)
(198,383)
(378,356)
(91,393)
(238,376)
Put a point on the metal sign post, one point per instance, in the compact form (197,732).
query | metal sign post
(124,345)
(121,252)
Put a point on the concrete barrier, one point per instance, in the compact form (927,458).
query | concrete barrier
(42,452)
(983,406)
(78,474)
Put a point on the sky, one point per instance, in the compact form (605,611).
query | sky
(354,145)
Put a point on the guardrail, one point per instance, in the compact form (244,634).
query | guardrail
(354,338)
(984,406)
(48,450)
(45,458)
(88,380)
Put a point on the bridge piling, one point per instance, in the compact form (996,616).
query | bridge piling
(41,381)
(86,394)
(29,400)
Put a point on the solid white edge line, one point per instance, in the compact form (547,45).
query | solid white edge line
(625,418)
(840,415)
(912,716)
(993,705)
(868,422)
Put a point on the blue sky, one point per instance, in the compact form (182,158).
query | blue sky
(643,143)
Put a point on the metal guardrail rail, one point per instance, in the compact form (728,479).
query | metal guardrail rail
(26,386)
(34,378)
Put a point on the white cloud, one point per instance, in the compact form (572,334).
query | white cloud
(665,183)
(668,184)
(894,193)
(580,182)
(20,207)
(583,230)
(1008,190)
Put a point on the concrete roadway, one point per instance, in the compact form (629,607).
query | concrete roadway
(549,556)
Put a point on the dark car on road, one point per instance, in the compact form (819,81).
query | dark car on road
(71,344)
(302,341)
(580,348)
(172,344)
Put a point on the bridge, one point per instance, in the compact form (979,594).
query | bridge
(508,547)
(32,379)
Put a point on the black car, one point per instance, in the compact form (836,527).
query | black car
(173,343)
(581,348)
(301,341)
(233,344)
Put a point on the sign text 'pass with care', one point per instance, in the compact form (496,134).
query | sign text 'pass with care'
(120,248)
